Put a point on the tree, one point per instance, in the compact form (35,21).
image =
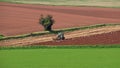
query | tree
(46,22)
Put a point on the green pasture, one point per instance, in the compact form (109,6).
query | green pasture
(60,58)
(1,37)
(99,3)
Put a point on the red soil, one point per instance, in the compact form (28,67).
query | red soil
(21,18)
(107,38)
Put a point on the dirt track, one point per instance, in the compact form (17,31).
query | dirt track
(101,35)
(20,18)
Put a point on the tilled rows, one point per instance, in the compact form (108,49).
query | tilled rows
(74,36)
(16,19)
(106,38)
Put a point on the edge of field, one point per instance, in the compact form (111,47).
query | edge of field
(81,4)
(60,47)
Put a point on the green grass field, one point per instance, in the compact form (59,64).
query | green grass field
(99,3)
(60,58)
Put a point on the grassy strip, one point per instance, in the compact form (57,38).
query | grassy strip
(59,47)
(25,35)
(1,36)
(56,31)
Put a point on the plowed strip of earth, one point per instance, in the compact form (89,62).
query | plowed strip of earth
(105,38)
(108,34)
(18,19)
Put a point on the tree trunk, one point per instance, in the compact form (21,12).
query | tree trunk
(48,28)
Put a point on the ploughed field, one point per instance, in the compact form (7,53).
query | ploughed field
(18,19)
(106,38)
(98,35)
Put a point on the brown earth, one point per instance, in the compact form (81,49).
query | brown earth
(106,38)
(107,35)
(22,18)
(101,35)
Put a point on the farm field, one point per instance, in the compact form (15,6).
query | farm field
(24,44)
(105,38)
(108,34)
(16,19)
(60,58)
